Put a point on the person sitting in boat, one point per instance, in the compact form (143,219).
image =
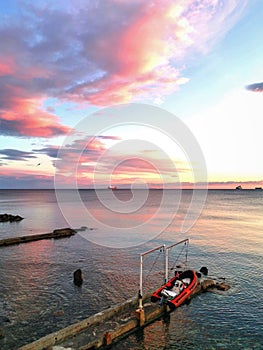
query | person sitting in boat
(174,291)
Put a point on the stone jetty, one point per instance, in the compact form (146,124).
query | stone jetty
(111,325)
(58,233)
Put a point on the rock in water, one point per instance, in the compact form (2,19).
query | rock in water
(10,218)
(204,270)
(4,319)
(223,286)
(207,284)
(64,232)
(1,334)
(78,277)
(58,313)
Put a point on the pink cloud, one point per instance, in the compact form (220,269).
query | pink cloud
(7,66)
(256,87)
(148,166)
(25,119)
(149,54)
(21,112)
(13,178)
(89,159)
(142,57)
(107,53)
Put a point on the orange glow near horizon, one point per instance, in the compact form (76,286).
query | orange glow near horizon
(118,178)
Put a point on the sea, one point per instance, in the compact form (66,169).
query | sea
(225,233)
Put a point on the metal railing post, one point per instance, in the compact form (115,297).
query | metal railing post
(166,265)
(140,296)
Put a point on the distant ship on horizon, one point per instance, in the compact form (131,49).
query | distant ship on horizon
(239,187)
(111,187)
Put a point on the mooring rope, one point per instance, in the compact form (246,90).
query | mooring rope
(186,254)
(154,263)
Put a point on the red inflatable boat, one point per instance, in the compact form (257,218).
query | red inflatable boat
(176,290)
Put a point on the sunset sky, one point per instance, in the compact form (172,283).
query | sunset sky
(63,61)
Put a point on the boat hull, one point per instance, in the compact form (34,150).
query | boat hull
(166,295)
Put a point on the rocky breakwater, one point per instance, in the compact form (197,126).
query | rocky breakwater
(56,234)
(10,218)
(208,283)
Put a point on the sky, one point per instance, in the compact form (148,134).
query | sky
(65,64)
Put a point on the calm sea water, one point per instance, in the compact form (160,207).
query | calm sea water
(37,294)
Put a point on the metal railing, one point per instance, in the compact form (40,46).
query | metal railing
(161,248)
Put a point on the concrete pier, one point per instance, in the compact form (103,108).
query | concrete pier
(59,233)
(111,325)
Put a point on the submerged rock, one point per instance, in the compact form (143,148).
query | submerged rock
(4,319)
(58,313)
(82,228)
(1,334)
